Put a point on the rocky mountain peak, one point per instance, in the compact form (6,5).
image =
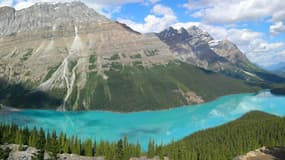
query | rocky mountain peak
(184,34)
(47,16)
(198,47)
(196,32)
(229,50)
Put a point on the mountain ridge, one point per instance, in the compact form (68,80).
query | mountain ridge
(199,48)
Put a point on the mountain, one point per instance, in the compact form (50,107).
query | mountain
(69,57)
(279,71)
(199,48)
(57,47)
(192,46)
(275,66)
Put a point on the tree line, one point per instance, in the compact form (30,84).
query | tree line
(56,144)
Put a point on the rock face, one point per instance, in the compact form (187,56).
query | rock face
(50,35)
(197,47)
(192,46)
(264,153)
(47,17)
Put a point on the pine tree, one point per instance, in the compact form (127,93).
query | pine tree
(94,147)
(62,140)
(33,138)
(40,145)
(138,150)
(151,149)
(87,148)
(25,135)
(21,148)
(48,142)
(77,145)
(120,149)
(54,147)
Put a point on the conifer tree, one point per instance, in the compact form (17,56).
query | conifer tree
(40,145)
(151,150)
(138,150)
(120,149)
(87,148)
(54,147)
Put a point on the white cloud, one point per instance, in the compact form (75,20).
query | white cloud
(23,4)
(6,3)
(154,1)
(279,16)
(185,25)
(277,28)
(232,11)
(160,18)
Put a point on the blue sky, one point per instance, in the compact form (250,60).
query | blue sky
(256,26)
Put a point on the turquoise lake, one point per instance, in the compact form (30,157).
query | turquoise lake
(162,126)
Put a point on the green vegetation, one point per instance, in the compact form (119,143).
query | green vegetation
(92,59)
(72,64)
(134,88)
(116,66)
(27,55)
(150,53)
(51,70)
(18,95)
(137,63)
(136,56)
(54,144)
(115,57)
(124,56)
(92,62)
(278,91)
(131,88)
(252,131)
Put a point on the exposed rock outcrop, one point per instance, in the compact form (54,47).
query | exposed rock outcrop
(264,153)
(28,153)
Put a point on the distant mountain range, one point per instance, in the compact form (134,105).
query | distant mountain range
(278,69)
(69,57)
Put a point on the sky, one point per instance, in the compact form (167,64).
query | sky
(257,27)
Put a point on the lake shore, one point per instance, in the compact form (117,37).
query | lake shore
(6,109)
(278,91)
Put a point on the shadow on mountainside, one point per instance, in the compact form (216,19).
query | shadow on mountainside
(19,96)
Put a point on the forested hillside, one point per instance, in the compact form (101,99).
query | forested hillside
(253,130)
